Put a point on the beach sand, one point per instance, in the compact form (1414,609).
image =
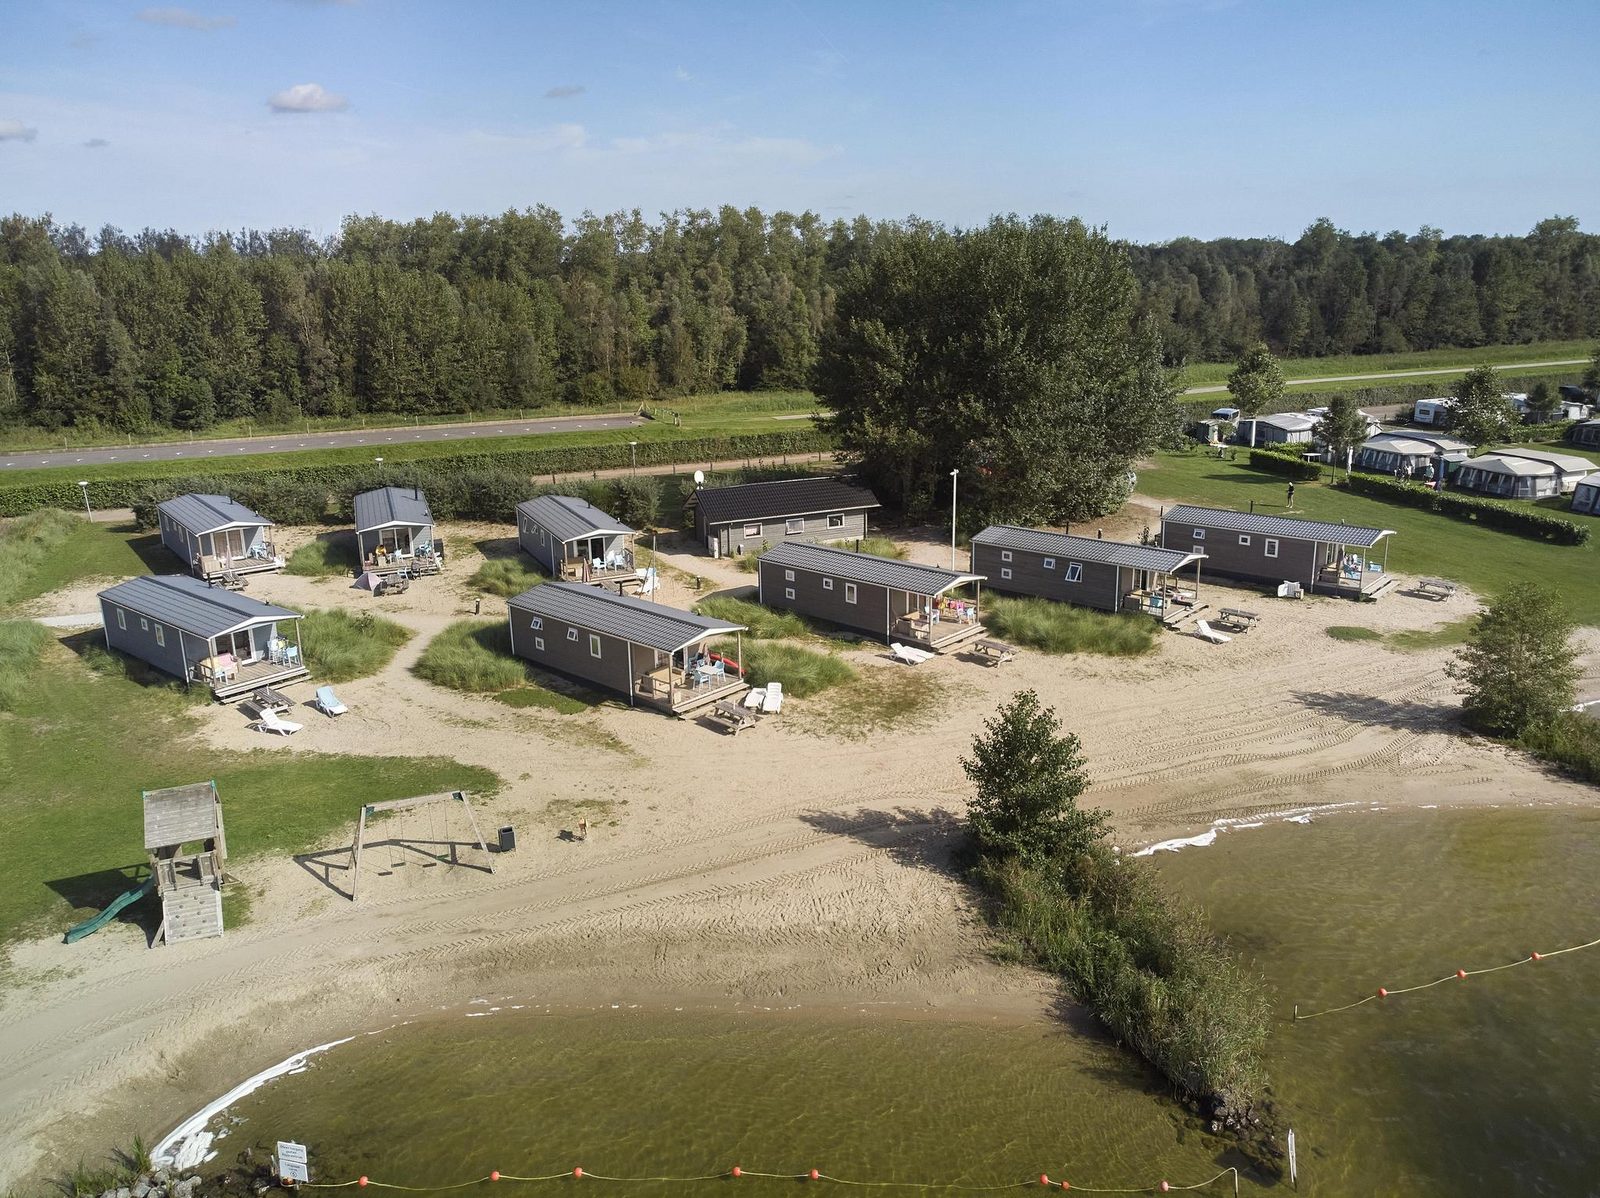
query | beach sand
(803,863)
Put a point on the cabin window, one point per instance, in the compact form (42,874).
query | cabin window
(795,524)
(538,643)
(537,623)
(541,536)
(144,624)
(1049,563)
(161,636)
(752,530)
(594,645)
(1271,547)
(572,634)
(836,521)
(827,584)
(122,619)
(1199,534)
(1005,571)
(1005,555)
(849,592)
(788,592)
(1244,538)
(788,576)
(1074,571)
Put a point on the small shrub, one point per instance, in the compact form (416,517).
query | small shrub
(507,576)
(533,695)
(339,646)
(750,559)
(1570,741)
(764,623)
(472,656)
(802,672)
(1062,628)
(1281,463)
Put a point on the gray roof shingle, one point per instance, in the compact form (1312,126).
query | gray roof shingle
(390,506)
(1085,549)
(191,604)
(209,513)
(866,568)
(786,497)
(637,621)
(567,518)
(1285,527)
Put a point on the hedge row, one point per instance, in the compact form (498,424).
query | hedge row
(1297,399)
(293,490)
(1491,513)
(1281,463)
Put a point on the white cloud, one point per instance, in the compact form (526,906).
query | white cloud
(96,143)
(17,131)
(553,137)
(184,18)
(565,91)
(681,75)
(307,97)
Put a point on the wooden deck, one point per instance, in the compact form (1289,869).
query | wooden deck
(214,569)
(257,674)
(1333,581)
(941,637)
(618,576)
(685,696)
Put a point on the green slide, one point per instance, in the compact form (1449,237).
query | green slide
(95,922)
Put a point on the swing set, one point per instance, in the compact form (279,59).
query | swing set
(440,849)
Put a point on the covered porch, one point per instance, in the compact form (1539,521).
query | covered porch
(398,547)
(239,661)
(241,550)
(690,677)
(1163,595)
(1352,570)
(598,559)
(941,621)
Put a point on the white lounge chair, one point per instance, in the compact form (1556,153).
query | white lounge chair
(271,721)
(1204,631)
(328,703)
(755,697)
(773,703)
(909,655)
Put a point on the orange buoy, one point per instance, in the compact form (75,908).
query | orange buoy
(494,1175)
(1462,974)
(1044,1179)
(577,1173)
(1382,993)
(736,1171)
(362,1181)
(1066,1185)
(1535,957)
(1165,1187)
(814,1175)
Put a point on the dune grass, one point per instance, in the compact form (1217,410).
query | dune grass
(1062,628)
(339,646)
(877,546)
(764,623)
(803,672)
(507,576)
(26,543)
(331,555)
(50,549)
(21,643)
(82,743)
(472,656)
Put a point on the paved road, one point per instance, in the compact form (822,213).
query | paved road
(1394,374)
(375,438)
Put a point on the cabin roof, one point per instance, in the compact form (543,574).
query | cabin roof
(210,513)
(192,605)
(1085,549)
(637,621)
(390,507)
(784,497)
(866,568)
(568,518)
(1282,527)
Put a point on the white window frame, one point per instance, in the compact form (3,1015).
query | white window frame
(752,530)
(827,584)
(594,645)
(144,624)
(572,634)
(788,592)
(1270,547)
(1074,572)
(1005,555)
(836,521)
(538,643)
(1005,572)
(849,592)
(1244,538)
(788,576)
(161,636)
(789,525)
(1049,563)
(1199,534)
(122,619)
(537,623)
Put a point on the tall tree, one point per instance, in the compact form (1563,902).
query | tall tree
(1519,669)
(1342,428)
(1256,383)
(1013,353)
(1481,412)
(1591,374)
(1544,402)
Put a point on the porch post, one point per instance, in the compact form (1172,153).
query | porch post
(184,654)
(672,682)
(633,679)
(738,649)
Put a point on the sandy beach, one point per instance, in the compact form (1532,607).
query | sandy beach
(804,862)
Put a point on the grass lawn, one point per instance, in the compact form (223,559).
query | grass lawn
(507,576)
(339,646)
(331,555)
(47,550)
(890,699)
(803,672)
(1208,373)
(1061,628)
(82,744)
(764,623)
(1425,543)
(1410,640)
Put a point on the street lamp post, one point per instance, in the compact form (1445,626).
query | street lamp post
(83,485)
(379,462)
(953,481)
(633,455)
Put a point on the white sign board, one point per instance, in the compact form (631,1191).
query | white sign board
(292,1161)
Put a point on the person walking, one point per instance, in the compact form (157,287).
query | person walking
(1291,497)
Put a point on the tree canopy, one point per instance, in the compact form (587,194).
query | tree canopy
(1481,412)
(1256,383)
(1013,353)
(1518,670)
(1342,428)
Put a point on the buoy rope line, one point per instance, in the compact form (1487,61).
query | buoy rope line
(1459,975)
(738,1172)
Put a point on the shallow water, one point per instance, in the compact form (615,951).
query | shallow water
(1488,1083)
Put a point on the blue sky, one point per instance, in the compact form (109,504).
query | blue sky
(1156,118)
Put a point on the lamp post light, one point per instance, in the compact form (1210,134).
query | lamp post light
(953,482)
(379,462)
(633,455)
(83,485)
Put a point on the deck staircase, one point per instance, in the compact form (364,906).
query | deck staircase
(191,913)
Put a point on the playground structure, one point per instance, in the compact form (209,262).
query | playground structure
(189,883)
(441,850)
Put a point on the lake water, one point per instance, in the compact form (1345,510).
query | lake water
(1492,1083)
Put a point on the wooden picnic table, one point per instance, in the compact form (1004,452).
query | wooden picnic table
(734,717)
(265,699)
(1237,619)
(1435,588)
(996,653)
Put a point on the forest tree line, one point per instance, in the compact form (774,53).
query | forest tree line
(527,310)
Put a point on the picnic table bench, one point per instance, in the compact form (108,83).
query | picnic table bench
(394,584)
(1435,588)
(732,716)
(995,653)
(1236,619)
(264,699)
(232,581)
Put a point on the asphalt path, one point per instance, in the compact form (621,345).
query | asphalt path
(374,438)
(1394,374)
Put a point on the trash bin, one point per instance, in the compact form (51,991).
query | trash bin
(508,839)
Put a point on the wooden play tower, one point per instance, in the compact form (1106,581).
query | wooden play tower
(183,835)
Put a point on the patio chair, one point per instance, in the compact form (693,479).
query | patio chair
(905,653)
(1205,632)
(328,703)
(270,721)
(773,703)
(755,698)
